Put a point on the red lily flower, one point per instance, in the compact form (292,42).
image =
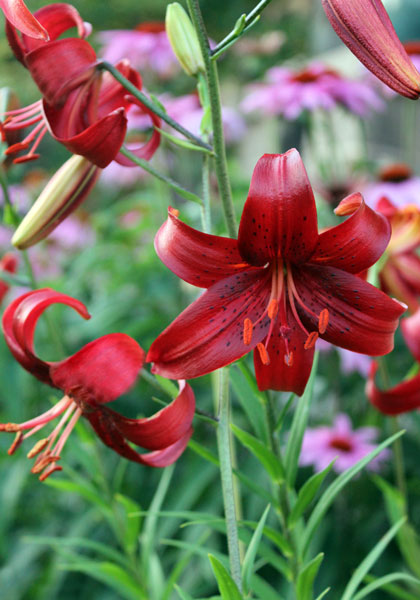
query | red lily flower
(365,28)
(95,375)
(7,263)
(405,396)
(278,287)
(20,17)
(83,108)
(400,273)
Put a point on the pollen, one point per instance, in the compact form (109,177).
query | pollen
(265,359)
(324,317)
(248,328)
(311,340)
(16,443)
(273,309)
(39,446)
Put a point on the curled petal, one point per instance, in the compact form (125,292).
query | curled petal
(210,333)
(101,371)
(279,217)
(361,317)
(278,374)
(19,322)
(365,28)
(198,258)
(356,244)
(20,17)
(402,398)
(8,263)
(411,332)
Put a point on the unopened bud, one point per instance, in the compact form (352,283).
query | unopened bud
(183,39)
(65,191)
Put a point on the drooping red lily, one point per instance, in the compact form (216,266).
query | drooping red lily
(278,287)
(83,108)
(17,13)
(365,27)
(405,396)
(400,273)
(95,375)
(7,263)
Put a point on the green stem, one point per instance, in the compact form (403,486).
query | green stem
(234,35)
(205,209)
(216,116)
(225,457)
(151,105)
(144,164)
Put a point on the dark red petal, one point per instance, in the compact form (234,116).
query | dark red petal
(60,66)
(19,322)
(99,142)
(279,217)
(20,17)
(8,263)
(355,244)
(148,148)
(209,333)
(101,371)
(277,375)
(411,332)
(198,258)
(361,317)
(400,399)
(395,281)
(111,436)
(112,94)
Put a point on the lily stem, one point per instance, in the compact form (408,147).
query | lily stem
(144,164)
(157,110)
(399,462)
(225,457)
(219,148)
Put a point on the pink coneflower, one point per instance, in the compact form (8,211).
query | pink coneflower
(288,92)
(322,444)
(395,182)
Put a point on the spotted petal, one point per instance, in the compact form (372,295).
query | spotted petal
(279,217)
(402,398)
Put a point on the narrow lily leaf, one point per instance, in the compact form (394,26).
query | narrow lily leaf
(166,384)
(239,25)
(386,579)
(297,430)
(283,413)
(257,489)
(203,452)
(369,561)
(251,553)
(183,143)
(251,399)
(60,542)
(183,595)
(274,536)
(306,578)
(227,587)
(196,549)
(130,524)
(307,493)
(86,491)
(265,456)
(323,594)
(407,537)
(264,590)
(393,590)
(331,492)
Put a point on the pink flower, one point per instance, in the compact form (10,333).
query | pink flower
(397,183)
(147,47)
(322,444)
(289,93)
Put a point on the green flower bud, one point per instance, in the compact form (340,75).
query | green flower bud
(183,39)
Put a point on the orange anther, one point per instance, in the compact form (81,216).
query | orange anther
(323,319)
(173,211)
(40,445)
(16,443)
(310,340)
(288,359)
(44,476)
(265,359)
(273,309)
(248,327)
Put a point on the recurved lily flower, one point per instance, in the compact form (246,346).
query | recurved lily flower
(404,396)
(95,375)
(400,273)
(278,287)
(366,29)
(83,108)
(17,13)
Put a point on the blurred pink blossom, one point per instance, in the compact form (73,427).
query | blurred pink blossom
(322,444)
(288,93)
(395,182)
(350,361)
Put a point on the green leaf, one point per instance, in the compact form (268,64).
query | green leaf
(250,398)
(394,590)
(60,542)
(385,580)
(298,427)
(306,577)
(166,384)
(82,489)
(183,143)
(203,452)
(323,594)
(369,561)
(251,553)
(273,535)
(158,103)
(239,25)
(183,595)
(307,493)
(130,521)
(265,456)
(336,486)
(284,411)
(227,587)
(263,590)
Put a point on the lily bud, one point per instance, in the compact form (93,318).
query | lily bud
(183,39)
(365,28)
(65,191)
